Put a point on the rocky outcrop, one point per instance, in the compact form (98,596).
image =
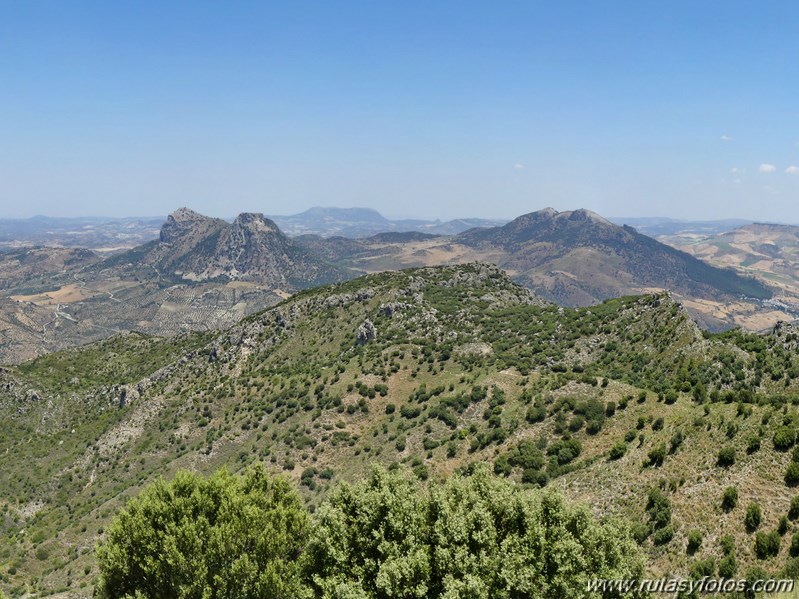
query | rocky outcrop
(366,332)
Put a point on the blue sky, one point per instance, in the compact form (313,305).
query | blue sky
(427,109)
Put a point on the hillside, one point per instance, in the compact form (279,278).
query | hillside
(769,252)
(201,273)
(575,258)
(437,369)
(578,258)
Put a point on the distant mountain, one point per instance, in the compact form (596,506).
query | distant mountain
(201,273)
(193,247)
(575,258)
(657,226)
(578,258)
(365,222)
(87,232)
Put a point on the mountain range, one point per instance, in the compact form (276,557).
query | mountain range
(201,273)
(575,258)
(205,272)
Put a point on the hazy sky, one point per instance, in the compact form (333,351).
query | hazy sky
(416,108)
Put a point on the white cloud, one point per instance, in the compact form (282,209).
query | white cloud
(792,170)
(725,138)
(518,166)
(737,171)
(767,168)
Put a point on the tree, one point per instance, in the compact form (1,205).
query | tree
(793,510)
(767,544)
(726,457)
(197,537)
(792,474)
(730,499)
(694,541)
(473,536)
(784,438)
(753,517)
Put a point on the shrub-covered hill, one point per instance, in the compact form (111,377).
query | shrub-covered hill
(626,405)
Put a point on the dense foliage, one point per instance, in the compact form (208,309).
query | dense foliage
(474,536)
(196,537)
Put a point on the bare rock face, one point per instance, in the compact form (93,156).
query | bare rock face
(366,332)
(183,222)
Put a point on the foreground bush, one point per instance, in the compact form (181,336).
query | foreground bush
(475,536)
(197,537)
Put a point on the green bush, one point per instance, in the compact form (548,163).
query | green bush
(729,499)
(784,438)
(728,566)
(656,455)
(703,568)
(767,544)
(794,550)
(694,541)
(476,536)
(618,450)
(793,510)
(792,474)
(753,445)
(663,535)
(658,508)
(727,544)
(200,537)
(753,517)
(726,457)
(782,525)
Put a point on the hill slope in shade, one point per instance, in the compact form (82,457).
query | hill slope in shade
(435,369)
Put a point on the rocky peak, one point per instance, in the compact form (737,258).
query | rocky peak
(255,222)
(583,215)
(182,222)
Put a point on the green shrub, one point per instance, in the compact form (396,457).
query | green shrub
(656,455)
(658,508)
(726,457)
(618,450)
(753,517)
(792,474)
(216,536)
(663,535)
(694,541)
(727,544)
(767,544)
(470,536)
(793,510)
(703,568)
(794,550)
(753,445)
(782,525)
(729,499)
(728,566)
(784,438)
